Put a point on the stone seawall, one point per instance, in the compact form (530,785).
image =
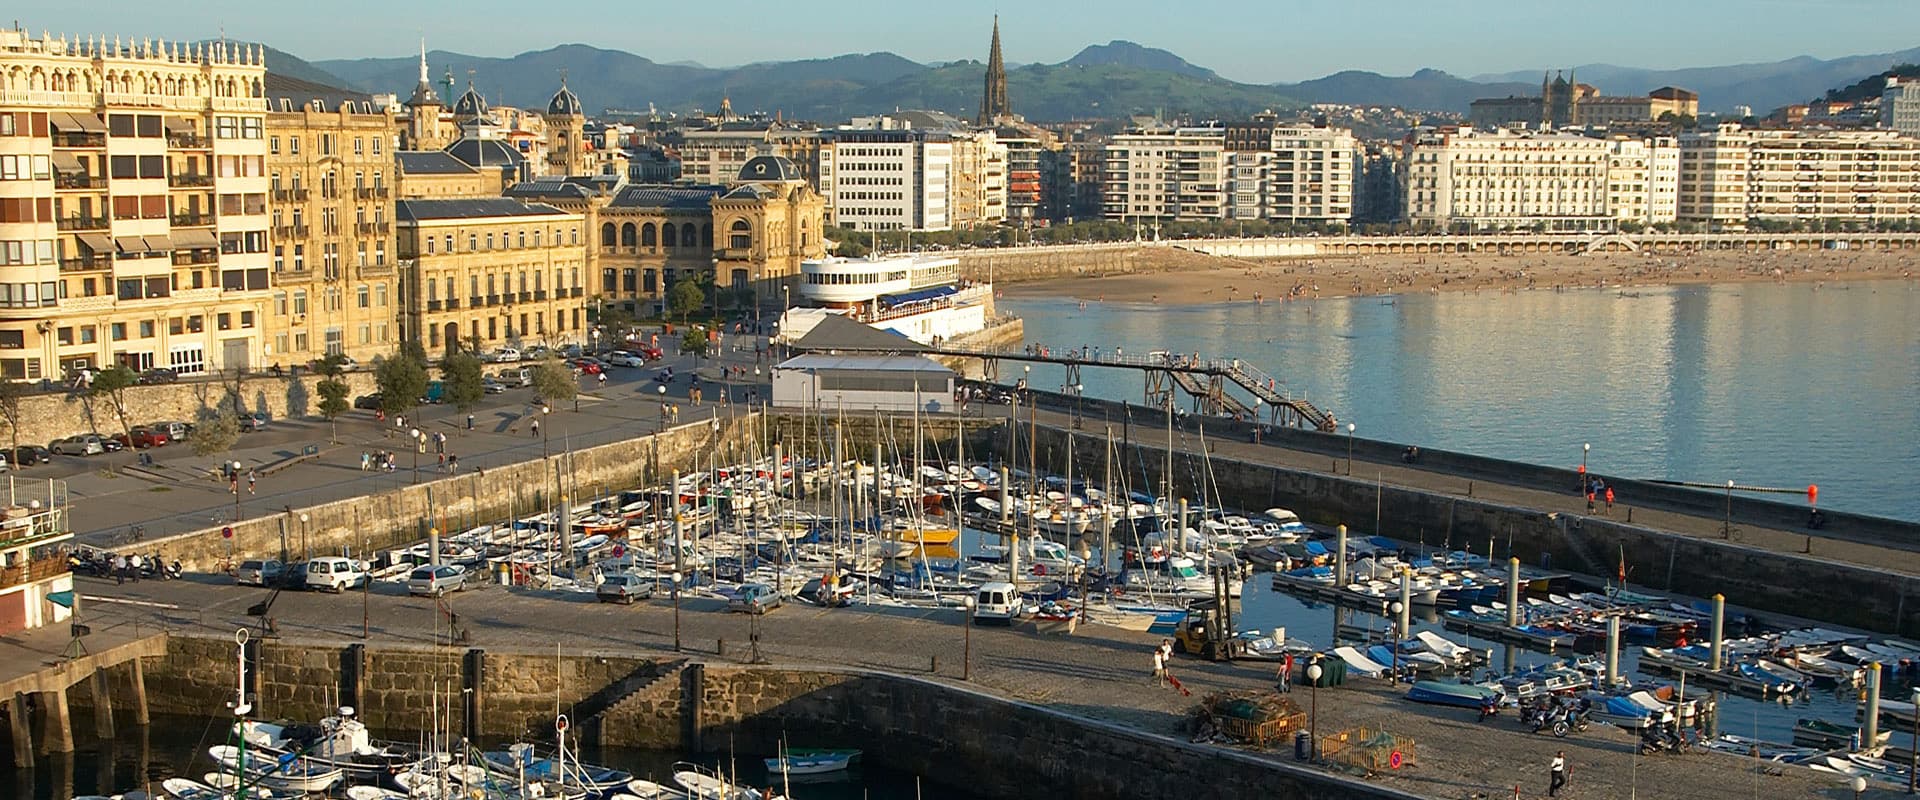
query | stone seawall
(1010,333)
(1803,586)
(455,503)
(54,415)
(994,747)
(1022,264)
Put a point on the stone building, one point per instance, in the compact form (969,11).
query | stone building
(1563,103)
(428,174)
(1733,176)
(332,168)
(1459,178)
(491,272)
(133,205)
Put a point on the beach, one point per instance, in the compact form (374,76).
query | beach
(1278,280)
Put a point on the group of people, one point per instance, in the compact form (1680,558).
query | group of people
(125,567)
(1597,492)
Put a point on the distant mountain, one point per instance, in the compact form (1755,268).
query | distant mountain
(1764,86)
(1426,90)
(1122,53)
(289,65)
(1872,85)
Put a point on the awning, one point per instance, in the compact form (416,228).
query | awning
(194,238)
(64,161)
(130,244)
(177,125)
(159,242)
(62,599)
(99,243)
(84,123)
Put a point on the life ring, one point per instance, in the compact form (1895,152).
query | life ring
(1039,569)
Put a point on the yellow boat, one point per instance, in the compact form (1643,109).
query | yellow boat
(936,537)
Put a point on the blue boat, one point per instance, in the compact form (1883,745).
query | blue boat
(596,780)
(811,762)
(1773,683)
(1444,693)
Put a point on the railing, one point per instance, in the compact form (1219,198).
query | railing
(38,569)
(297,273)
(188,141)
(370,192)
(179,180)
(79,223)
(433,305)
(98,302)
(539,294)
(577,291)
(372,228)
(735,254)
(493,299)
(188,258)
(79,140)
(453,303)
(285,232)
(193,219)
(85,264)
(285,195)
(526,297)
(65,181)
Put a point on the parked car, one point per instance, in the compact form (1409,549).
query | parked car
(334,574)
(255,421)
(622,358)
(505,355)
(586,366)
(534,353)
(347,364)
(436,393)
(754,598)
(141,436)
(623,588)
(436,581)
(515,377)
(259,572)
(159,375)
(175,431)
(28,455)
(998,602)
(492,386)
(650,353)
(370,402)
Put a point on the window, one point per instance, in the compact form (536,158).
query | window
(293,146)
(380,294)
(146,329)
(280,303)
(300,304)
(273,147)
(246,319)
(188,361)
(119,330)
(364,295)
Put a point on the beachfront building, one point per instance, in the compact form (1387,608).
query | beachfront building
(1165,173)
(1291,173)
(978,181)
(1732,177)
(491,272)
(887,179)
(1900,105)
(133,205)
(331,164)
(1465,179)
(1643,180)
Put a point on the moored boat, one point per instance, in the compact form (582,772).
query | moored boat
(1449,693)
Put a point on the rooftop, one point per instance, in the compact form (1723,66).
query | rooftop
(666,196)
(431,162)
(477,208)
(865,363)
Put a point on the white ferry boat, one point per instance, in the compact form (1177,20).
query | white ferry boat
(918,295)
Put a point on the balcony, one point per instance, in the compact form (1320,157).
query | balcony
(539,295)
(296,195)
(189,258)
(33,571)
(287,232)
(179,181)
(79,139)
(80,223)
(370,192)
(526,297)
(373,228)
(66,181)
(85,264)
(493,299)
(453,304)
(734,254)
(433,305)
(193,219)
(187,141)
(577,291)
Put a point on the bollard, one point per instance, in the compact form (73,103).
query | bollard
(1179,543)
(1513,592)
(1340,557)
(933,665)
(433,546)
(1469,488)
(1719,631)
(720,648)
(1870,729)
(1613,651)
(1006,504)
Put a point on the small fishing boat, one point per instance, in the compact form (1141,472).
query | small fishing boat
(594,779)
(338,741)
(1833,735)
(1448,693)
(1750,747)
(703,784)
(1359,664)
(799,761)
(641,789)
(189,789)
(298,774)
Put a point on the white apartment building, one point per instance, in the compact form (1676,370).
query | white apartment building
(1643,180)
(888,180)
(133,205)
(1463,178)
(1166,173)
(1732,176)
(1900,106)
(1303,174)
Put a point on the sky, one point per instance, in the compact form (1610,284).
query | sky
(1255,41)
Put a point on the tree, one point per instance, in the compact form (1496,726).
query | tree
(333,403)
(10,394)
(685,298)
(215,430)
(461,374)
(112,384)
(553,381)
(331,366)
(402,380)
(744,297)
(694,341)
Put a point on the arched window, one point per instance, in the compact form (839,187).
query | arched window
(646,235)
(687,232)
(740,235)
(669,236)
(606,234)
(626,234)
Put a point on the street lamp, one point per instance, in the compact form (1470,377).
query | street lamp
(1399,635)
(545,436)
(1313,732)
(236,491)
(413,435)
(1256,420)
(1349,448)
(1726,529)
(303,537)
(966,657)
(1584,450)
(675,577)
(1079,404)
(1913,753)
(662,388)
(1859,786)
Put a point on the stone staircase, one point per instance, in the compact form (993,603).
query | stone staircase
(642,683)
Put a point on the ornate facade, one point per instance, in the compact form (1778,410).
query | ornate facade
(491,272)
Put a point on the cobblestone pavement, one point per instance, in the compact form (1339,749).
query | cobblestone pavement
(1099,672)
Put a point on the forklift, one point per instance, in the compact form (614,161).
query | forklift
(1208,631)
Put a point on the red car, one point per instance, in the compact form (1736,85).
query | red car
(587,366)
(143,436)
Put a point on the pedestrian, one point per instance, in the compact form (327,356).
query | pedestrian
(603,379)
(469,422)
(1166,650)
(119,569)
(365,461)
(253,480)
(1609,500)
(536,432)
(1589,501)
(1159,667)
(1557,774)
(133,567)
(1286,673)
(443,461)
(453,463)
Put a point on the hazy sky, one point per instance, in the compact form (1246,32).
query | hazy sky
(1248,40)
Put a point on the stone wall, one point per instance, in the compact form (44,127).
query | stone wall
(55,415)
(1008,334)
(1020,264)
(405,514)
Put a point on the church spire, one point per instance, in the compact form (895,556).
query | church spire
(993,101)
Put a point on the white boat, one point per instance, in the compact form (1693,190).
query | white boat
(298,774)
(374,793)
(338,741)
(648,790)
(1448,650)
(1359,664)
(702,786)
(189,789)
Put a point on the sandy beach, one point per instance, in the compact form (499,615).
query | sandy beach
(1279,280)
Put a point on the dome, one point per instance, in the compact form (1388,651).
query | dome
(470,105)
(564,103)
(423,96)
(766,168)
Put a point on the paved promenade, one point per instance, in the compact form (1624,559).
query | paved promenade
(1101,673)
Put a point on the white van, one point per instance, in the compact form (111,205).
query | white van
(335,574)
(515,377)
(998,602)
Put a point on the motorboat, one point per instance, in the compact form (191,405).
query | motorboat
(703,784)
(338,741)
(1359,663)
(1452,693)
(1833,735)
(641,789)
(797,761)
(299,774)
(516,762)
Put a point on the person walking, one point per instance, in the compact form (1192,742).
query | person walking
(1159,667)
(253,480)
(1557,774)
(453,463)
(365,461)
(1286,674)
(133,567)
(1589,500)
(469,422)
(1609,500)
(119,569)
(536,434)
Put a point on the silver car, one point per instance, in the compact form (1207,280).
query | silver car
(259,572)
(85,444)
(436,581)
